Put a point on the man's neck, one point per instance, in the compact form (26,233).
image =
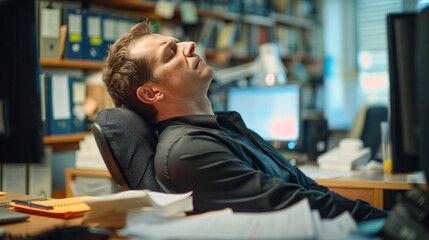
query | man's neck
(201,106)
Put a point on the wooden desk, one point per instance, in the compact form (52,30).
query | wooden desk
(35,224)
(372,187)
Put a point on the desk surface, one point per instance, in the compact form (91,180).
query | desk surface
(374,179)
(35,224)
(366,180)
(372,186)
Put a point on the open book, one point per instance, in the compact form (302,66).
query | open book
(111,210)
(60,208)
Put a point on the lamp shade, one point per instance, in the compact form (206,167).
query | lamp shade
(270,70)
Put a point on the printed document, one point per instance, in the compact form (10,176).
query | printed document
(295,222)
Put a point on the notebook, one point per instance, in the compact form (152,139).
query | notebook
(61,208)
(7,216)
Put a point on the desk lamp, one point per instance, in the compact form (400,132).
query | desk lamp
(266,70)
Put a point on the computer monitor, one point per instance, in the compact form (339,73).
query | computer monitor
(20,110)
(272,112)
(408,74)
(422,75)
(403,110)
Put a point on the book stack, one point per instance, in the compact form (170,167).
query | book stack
(88,156)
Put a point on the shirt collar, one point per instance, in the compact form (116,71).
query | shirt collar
(208,121)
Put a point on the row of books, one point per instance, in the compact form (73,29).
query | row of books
(299,8)
(292,40)
(243,39)
(252,7)
(74,33)
(240,39)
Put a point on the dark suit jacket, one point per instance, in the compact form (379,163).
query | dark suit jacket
(227,165)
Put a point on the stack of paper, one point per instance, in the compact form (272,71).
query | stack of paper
(111,210)
(296,222)
(88,156)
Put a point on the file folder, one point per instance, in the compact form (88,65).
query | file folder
(110,28)
(75,31)
(49,30)
(58,114)
(124,24)
(93,39)
(77,88)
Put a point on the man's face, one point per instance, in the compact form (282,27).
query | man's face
(174,65)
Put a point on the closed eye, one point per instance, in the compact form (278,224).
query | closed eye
(170,51)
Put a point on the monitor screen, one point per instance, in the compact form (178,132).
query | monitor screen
(20,121)
(272,112)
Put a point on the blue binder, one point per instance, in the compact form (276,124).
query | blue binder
(93,38)
(110,28)
(74,18)
(77,88)
(58,116)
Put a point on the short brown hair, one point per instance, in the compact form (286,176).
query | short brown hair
(123,74)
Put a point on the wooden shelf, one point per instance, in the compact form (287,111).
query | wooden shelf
(133,5)
(293,21)
(82,64)
(68,142)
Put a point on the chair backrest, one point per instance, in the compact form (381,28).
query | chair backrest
(367,126)
(127,144)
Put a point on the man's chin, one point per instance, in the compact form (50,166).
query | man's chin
(209,73)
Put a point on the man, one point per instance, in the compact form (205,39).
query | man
(214,155)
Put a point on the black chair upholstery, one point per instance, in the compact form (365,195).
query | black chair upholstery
(127,144)
(371,131)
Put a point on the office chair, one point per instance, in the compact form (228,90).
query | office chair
(367,126)
(127,145)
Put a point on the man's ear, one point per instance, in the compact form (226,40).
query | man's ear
(149,94)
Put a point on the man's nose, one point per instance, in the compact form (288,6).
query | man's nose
(188,48)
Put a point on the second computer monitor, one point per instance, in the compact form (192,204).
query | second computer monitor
(272,112)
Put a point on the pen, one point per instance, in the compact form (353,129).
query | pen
(31,204)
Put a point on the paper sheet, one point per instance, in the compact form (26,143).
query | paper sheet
(292,223)
(60,97)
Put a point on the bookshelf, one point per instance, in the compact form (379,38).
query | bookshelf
(69,142)
(292,17)
(287,17)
